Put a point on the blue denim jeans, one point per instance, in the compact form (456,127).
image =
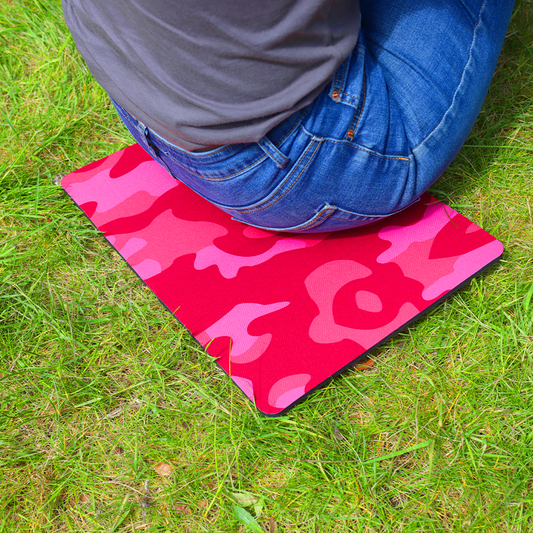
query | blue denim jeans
(384,129)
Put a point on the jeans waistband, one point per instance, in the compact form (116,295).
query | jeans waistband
(275,136)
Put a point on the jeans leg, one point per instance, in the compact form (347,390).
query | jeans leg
(438,59)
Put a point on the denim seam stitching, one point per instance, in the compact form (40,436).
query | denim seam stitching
(363,102)
(399,158)
(460,81)
(221,178)
(349,95)
(334,141)
(358,215)
(352,127)
(315,221)
(339,81)
(373,216)
(322,215)
(277,199)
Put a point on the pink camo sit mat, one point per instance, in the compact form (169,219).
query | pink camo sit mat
(281,313)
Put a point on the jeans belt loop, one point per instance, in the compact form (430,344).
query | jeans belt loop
(273,152)
(154,150)
(339,80)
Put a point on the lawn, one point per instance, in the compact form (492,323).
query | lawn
(113,419)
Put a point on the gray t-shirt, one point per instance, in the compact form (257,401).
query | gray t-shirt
(209,72)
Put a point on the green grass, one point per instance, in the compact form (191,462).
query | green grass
(100,385)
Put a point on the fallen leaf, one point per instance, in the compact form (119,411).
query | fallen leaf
(183,509)
(244,499)
(85,498)
(202,504)
(369,363)
(164,469)
(273,525)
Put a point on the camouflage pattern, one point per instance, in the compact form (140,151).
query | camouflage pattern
(281,313)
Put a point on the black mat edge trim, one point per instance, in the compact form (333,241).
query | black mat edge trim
(386,339)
